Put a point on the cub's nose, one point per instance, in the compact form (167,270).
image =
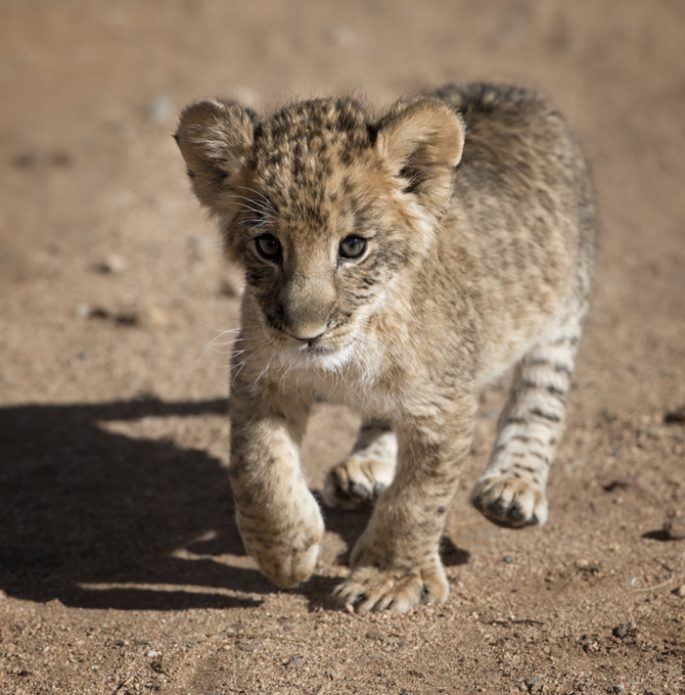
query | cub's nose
(307,304)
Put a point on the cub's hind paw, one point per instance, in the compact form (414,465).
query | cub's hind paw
(510,501)
(356,482)
(370,589)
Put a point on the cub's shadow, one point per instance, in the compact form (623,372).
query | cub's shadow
(82,508)
(80,505)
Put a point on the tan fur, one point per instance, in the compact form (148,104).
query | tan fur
(478,214)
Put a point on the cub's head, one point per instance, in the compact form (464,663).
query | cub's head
(322,207)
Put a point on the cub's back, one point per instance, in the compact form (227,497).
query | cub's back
(522,222)
(523,176)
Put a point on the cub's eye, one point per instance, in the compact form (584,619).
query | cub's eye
(268,247)
(352,246)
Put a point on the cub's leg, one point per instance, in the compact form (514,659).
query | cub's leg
(396,562)
(278,518)
(512,489)
(366,472)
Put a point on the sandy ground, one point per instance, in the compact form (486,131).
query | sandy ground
(120,567)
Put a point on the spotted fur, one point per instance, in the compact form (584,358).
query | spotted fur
(477,210)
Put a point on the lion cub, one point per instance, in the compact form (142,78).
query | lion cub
(397,266)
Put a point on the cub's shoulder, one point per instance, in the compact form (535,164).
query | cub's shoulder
(479,100)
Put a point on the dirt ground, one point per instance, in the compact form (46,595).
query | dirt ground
(121,570)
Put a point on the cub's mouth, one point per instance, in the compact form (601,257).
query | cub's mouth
(327,351)
(314,348)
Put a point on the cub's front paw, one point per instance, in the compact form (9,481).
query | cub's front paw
(287,567)
(398,590)
(510,501)
(287,558)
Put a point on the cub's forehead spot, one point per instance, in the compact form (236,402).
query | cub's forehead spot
(305,165)
(308,139)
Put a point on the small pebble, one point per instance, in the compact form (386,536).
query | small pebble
(125,318)
(27,159)
(624,630)
(112,264)
(589,644)
(335,674)
(82,310)
(154,316)
(157,666)
(234,629)
(615,485)
(293,661)
(680,591)
(376,636)
(32,158)
(119,318)
(587,566)
(675,417)
(248,646)
(674,529)
(532,683)
(151,653)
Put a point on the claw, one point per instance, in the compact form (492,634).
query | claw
(510,501)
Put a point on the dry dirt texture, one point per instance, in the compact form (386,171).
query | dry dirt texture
(120,567)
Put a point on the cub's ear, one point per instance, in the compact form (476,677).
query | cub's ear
(215,138)
(422,141)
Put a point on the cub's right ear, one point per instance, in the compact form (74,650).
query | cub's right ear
(216,138)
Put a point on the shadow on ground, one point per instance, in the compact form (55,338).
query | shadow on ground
(82,506)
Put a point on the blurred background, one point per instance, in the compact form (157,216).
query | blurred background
(114,503)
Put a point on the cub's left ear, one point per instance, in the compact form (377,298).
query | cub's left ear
(422,142)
